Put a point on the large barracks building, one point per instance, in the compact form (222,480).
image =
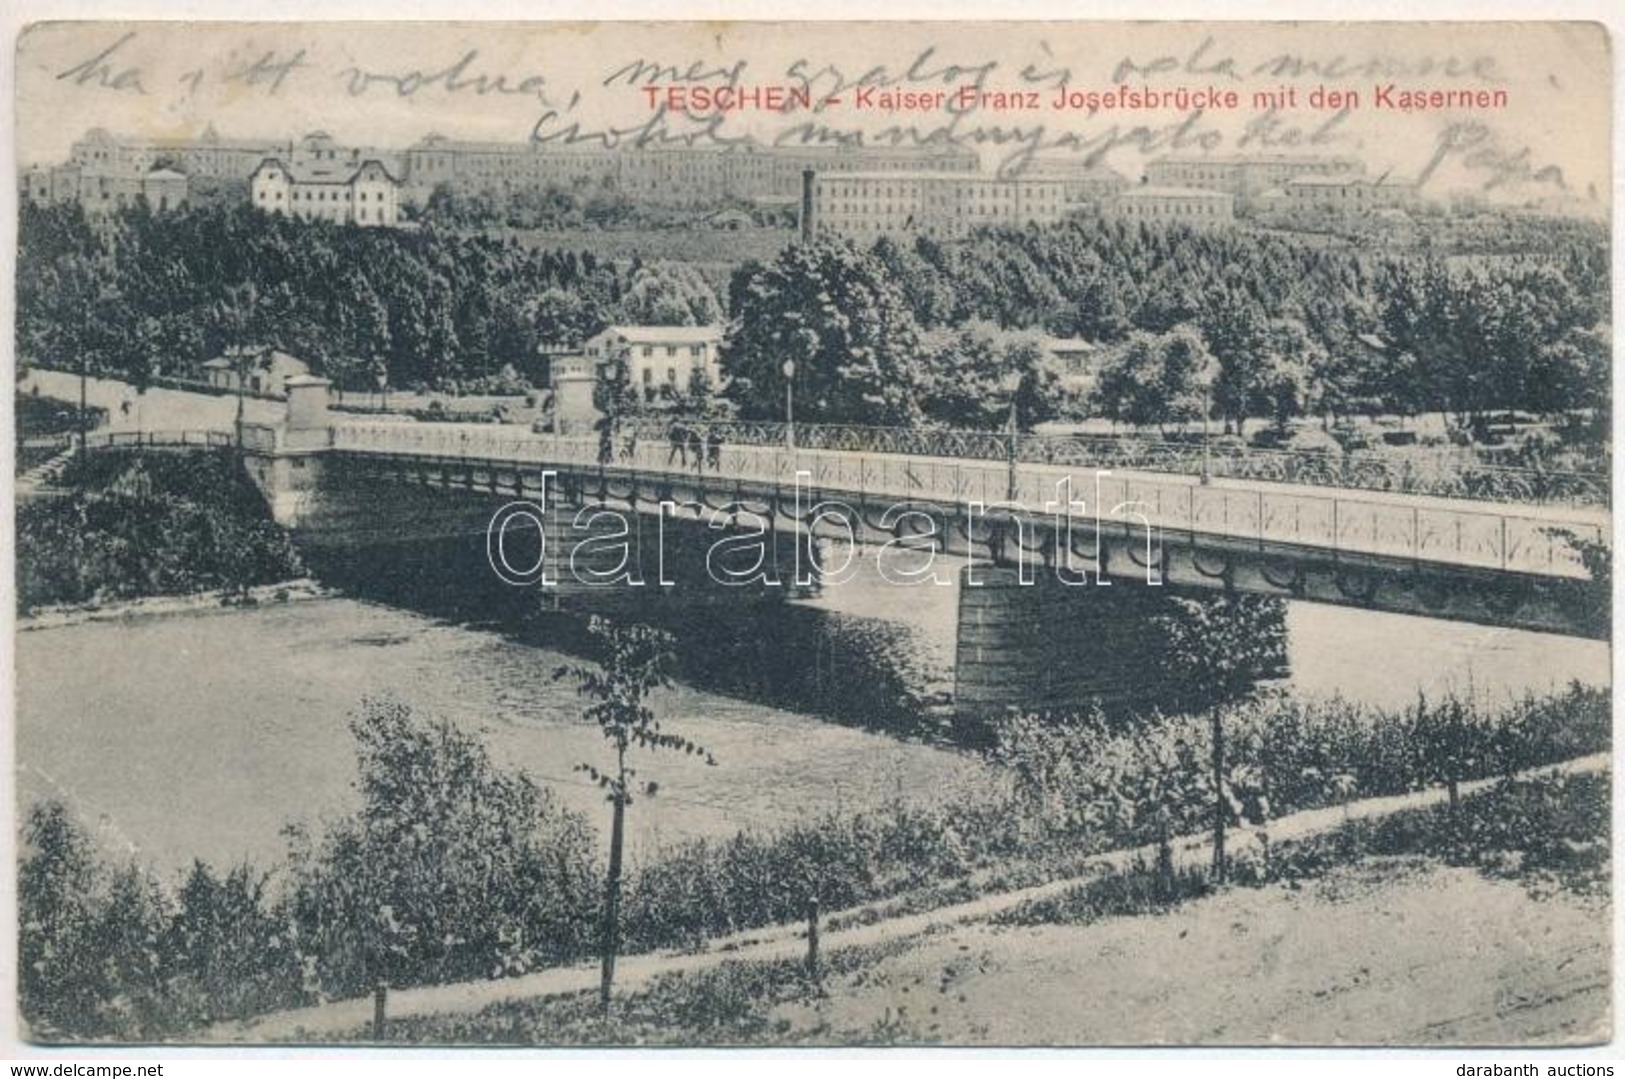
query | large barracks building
(861,192)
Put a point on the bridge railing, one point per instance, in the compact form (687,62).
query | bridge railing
(206,439)
(1443,473)
(1390,525)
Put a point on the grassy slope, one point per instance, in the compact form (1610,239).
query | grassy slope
(1400,932)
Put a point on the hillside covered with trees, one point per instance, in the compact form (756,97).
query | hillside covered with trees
(162,293)
(1276,327)
(1272,326)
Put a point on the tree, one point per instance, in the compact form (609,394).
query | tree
(930,297)
(833,311)
(1596,597)
(964,372)
(227,953)
(56,920)
(1570,372)
(699,397)
(1218,649)
(669,294)
(636,660)
(616,397)
(452,868)
(1155,379)
(1264,363)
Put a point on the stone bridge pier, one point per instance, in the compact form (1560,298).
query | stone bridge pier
(1044,645)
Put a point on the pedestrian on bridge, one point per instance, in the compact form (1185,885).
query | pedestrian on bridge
(677,436)
(713,449)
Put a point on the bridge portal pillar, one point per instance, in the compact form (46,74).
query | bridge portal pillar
(286,464)
(1050,647)
(308,417)
(573,410)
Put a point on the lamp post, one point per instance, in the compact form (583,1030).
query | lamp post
(380,375)
(104,297)
(1207,469)
(1012,385)
(1208,376)
(789,370)
(84,414)
(242,377)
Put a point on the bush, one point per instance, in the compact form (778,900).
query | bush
(693,891)
(59,976)
(106,954)
(1550,832)
(148,524)
(452,870)
(1130,784)
(456,870)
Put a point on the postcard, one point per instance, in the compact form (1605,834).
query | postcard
(842,533)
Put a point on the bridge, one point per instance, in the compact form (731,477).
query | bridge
(1039,541)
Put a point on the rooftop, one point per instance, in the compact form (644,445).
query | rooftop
(330,172)
(1147,192)
(100,136)
(664,335)
(1071,169)
(262,355)
(946,177)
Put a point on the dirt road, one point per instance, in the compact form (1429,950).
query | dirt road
(1388,951)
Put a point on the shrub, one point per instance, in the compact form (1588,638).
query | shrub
(148,524)
(1120,783)
(59,978)
(456,870)
(107,954)
(228,949)
(1547,831)
(452,869)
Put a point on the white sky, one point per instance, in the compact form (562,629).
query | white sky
(1556,77)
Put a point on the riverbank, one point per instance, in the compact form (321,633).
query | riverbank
(133,525)
(1041,965)
(891,859)
(59,616)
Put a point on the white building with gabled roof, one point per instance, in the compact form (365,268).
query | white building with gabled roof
(943,206)
(365,194)
(260,369)
(658,356)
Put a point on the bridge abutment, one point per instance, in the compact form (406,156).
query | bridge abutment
(286,462)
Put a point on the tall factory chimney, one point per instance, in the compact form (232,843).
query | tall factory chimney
(808,225)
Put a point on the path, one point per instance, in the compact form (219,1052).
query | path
(788,942)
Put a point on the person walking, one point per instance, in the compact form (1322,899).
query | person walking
(713,449)
(677,439)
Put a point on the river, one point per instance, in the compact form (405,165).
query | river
(202,735)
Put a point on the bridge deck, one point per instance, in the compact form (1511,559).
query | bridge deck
(1491,536)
